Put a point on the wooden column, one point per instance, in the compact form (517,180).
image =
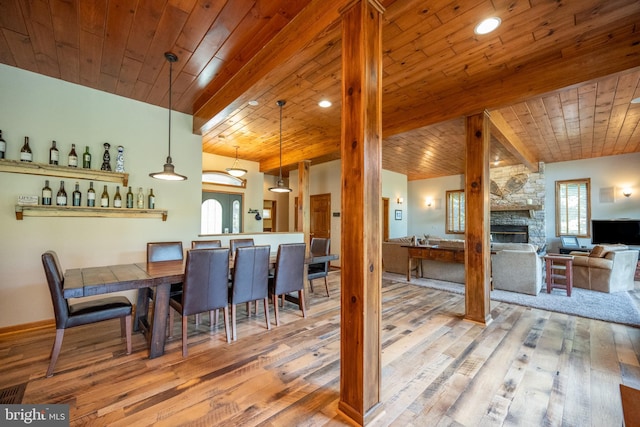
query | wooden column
(304,223)
(360,365)
(477,214)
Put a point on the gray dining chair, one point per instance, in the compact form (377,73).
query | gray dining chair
(82,312)
(205,244)
(239,243)
(249,281)
(288,276)
(205,287)
(319,247)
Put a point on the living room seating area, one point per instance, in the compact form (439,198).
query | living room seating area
(607,268)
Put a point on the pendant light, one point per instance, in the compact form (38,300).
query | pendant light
(168,174)
(280,187)
(235,171)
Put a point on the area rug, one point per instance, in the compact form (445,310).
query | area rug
(617,307)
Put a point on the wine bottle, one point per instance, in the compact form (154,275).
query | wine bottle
(61,198)
(3,146)
(152,199)
(117,199)
(76,199)
(73,157)
(25,152)
(140,198)
(129,198)
(86,159)
(46,194)
(91,196)
(54,154)
(104,199)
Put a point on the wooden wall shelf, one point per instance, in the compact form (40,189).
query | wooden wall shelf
(16,166)
(81,211)
(517,208)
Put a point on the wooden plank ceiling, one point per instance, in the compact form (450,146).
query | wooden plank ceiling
(560,74)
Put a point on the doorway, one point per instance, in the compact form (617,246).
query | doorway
(221,213)
(269,216)
(320,216)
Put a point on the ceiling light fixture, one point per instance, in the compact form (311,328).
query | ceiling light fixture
(280,186)
(635,100)
(168,173)
(235,171)
(325,103)
(487,25)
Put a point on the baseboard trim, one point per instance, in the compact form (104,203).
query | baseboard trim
(32,326)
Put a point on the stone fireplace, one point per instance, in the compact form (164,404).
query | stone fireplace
(517,205)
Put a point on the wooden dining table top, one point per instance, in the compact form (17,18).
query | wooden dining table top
(87,281)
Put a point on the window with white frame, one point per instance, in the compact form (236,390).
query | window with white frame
(573,207)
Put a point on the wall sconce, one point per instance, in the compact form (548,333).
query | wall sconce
(399,200)
(257,212)
(429,201)
(626,192)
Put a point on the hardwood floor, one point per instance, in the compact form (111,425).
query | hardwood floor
(527,368)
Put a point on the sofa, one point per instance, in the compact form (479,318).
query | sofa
(394,256)
(516,267)
(607,268)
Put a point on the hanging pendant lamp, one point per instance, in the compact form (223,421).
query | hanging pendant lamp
(280,186)
(168,173)
(234,170)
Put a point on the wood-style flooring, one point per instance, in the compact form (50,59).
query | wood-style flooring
(527,368)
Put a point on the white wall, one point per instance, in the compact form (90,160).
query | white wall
(45,109)
(394,185)
(605,172)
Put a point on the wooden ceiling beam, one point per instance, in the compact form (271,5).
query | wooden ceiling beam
(501,130)
(302,29)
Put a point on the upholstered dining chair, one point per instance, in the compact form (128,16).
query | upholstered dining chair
(205,244)
(288,276)
(239,243)
(249,281)
(205,287)
(319,247)
(81,312)
(165,251)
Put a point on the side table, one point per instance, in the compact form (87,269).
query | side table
(559,272)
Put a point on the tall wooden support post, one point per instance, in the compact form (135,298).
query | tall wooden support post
(360,361)
(477,251)
(304,222)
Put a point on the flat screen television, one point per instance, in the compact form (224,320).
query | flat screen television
(625,231)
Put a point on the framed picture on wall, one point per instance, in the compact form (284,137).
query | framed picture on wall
(398,214)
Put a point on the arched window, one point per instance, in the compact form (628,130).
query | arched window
(235,215)
(211,217)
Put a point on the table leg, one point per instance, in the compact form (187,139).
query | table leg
(159,322)
(409,269)
(142,308)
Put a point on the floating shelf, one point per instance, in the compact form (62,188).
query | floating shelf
(16,166)
(81,211)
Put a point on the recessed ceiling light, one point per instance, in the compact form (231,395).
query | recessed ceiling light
(635,100)
(253,103)
(487,25)
(324,103)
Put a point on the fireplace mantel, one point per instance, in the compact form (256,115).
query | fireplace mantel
(517,208)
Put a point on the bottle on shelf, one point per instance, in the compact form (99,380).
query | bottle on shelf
(3,146)
(25,152)
(76,199)
(73,157)
(54,154)
(104,199)
(86,158)
(91,196)
(152,200)
(61,197)
(129,198)
(140,198)
(46,194)
(117,199)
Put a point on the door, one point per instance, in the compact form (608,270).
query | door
(385,219)
(221,213)
(320,216)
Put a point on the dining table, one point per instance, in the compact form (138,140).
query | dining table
(89,281)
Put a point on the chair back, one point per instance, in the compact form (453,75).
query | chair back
(250,274)
(319,247)
(205,244)
(289,272)
(164,251)
(206,279)
(239,243)
(55,279)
